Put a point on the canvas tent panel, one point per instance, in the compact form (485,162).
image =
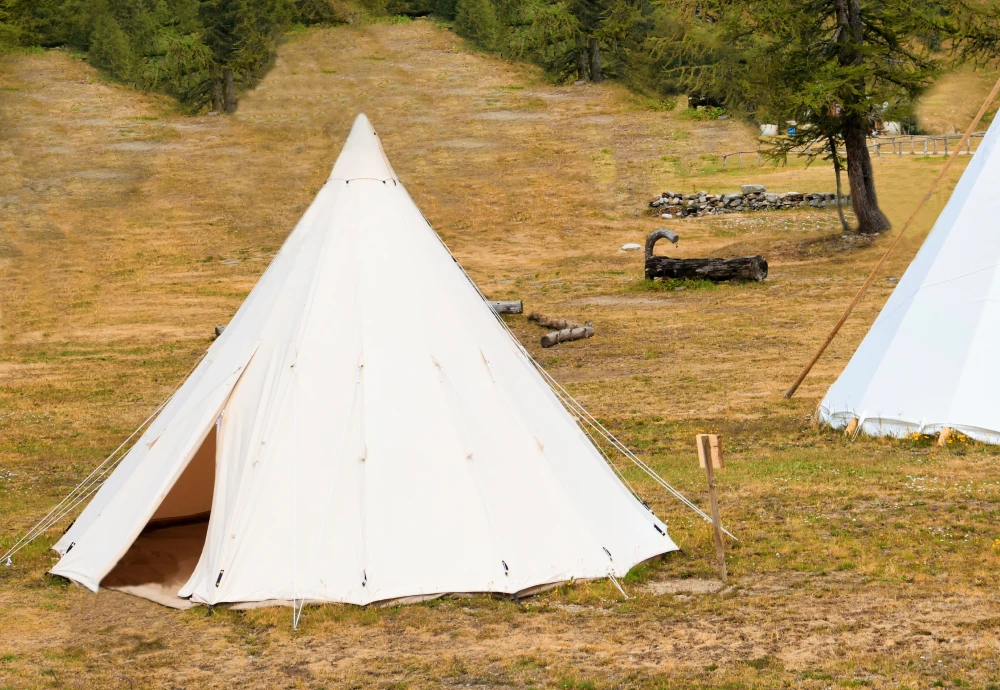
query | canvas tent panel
(369,452)
(924,364)
(122,518)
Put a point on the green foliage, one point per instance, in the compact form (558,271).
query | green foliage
(110,48)
(781,60)
(477,20)
(179,47)
(10,33)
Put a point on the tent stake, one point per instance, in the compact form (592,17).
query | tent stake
(720,551)
(851,428)
(864,288)
(944,436)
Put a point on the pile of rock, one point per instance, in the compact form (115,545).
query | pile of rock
(752,197)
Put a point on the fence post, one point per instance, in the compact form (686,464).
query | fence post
(740,155)
(946,144)
(724,161)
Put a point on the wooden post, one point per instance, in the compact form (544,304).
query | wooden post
(720,552)
(740,154)
(852,427)
(944,436)
(715,445)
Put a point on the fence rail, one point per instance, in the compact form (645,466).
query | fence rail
(901,145)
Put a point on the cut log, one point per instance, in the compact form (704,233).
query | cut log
(717,270)
(552,322)
(567,334)
(508,307)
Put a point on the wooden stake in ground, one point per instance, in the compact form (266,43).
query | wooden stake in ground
(944,436)
(720,552)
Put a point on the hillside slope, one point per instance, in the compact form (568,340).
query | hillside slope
(127,232)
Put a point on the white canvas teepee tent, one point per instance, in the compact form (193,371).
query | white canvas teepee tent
(339,446)
(931,358)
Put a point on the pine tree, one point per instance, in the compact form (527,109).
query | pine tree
(836,67)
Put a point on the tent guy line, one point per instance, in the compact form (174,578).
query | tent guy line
(927,363)
(440,434)
(92,482)
(572,404)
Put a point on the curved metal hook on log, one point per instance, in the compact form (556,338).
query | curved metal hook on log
(656,236)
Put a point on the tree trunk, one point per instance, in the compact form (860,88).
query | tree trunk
(744,268)
(229,93)
(596,73)
(871,220)
(218,104)
(854,126)
(582,73)
(836,172)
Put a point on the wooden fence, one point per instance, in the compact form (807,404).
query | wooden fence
(904,144)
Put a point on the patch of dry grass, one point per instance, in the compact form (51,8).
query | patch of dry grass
(128,232)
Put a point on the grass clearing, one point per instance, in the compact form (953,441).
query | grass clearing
(128,231)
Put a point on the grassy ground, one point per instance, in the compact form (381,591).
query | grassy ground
(128,232)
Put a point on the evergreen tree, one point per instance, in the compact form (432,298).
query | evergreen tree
(10,33)
(477,20)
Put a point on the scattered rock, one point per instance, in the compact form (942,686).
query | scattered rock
(753,189)
(892,281)
(218,330)
(631,247)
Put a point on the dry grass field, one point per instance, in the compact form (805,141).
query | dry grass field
(127,232)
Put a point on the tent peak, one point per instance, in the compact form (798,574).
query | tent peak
(362,157)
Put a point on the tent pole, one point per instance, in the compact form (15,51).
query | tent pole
(864,288)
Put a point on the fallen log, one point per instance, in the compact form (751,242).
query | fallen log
(516,307)
(752,268)
(567,334)
(552,322)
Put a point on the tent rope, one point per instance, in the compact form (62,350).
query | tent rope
(91,483)
(864,287)
(571,404)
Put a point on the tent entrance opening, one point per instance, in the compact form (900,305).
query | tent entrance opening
(165,554)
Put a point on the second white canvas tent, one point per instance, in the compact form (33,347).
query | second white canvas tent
(930,359)
(345,447)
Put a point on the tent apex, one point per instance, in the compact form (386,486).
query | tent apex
(362,156)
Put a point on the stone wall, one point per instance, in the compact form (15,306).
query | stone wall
(751,197)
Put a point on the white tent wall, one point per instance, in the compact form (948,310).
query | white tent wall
(95,547)
(370,451)
(929,359)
